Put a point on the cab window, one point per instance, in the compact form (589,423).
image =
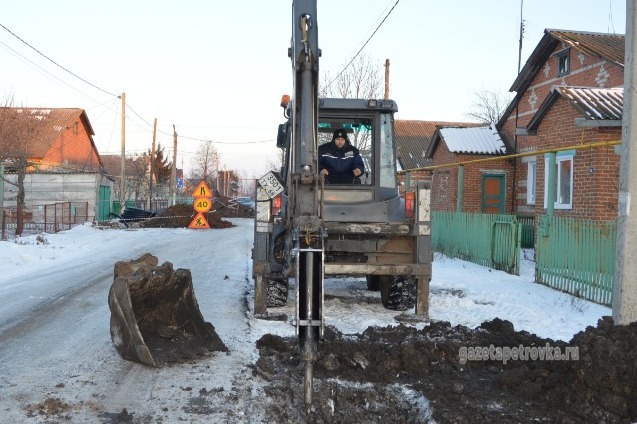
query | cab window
(360,135)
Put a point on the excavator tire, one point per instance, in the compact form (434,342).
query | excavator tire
(155,318)
(277,293)
(397,293)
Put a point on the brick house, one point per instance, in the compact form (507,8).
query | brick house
(569,100)
(412,141)
(58,138)
(482,186)
(63,162)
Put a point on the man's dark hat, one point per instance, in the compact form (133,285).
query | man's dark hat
(340,133)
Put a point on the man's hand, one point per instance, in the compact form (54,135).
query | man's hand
(324,171)
(357,172)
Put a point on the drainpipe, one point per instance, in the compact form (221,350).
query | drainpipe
(407,181)
(551,194)
(460,185)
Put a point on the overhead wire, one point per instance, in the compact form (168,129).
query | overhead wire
(128,106)
(361,49)
(57,64)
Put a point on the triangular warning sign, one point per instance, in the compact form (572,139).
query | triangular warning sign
(199,221)
(202,190)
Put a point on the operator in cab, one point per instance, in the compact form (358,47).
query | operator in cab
(339,161)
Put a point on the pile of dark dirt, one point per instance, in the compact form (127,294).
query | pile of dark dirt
(180,216)
(393,374)
(229,208)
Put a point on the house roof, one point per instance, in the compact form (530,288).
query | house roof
(607,46)
(484,140)
(113,165)
(56,119)
(413,139)
(592,102)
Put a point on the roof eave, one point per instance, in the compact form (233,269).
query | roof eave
(531,127)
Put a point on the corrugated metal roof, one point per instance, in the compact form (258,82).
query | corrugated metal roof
(46,124)
(478,140)
(608,46)
(595,103)
(413,139)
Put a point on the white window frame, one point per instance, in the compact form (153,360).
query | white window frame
(531,172)
(560,202)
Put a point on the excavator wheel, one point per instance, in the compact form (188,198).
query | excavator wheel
(277,293)
(373,282)
(398,293)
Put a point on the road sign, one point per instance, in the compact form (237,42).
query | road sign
(202,204)
(202,190)
(199,221)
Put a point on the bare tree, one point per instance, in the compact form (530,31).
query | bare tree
(205,163)
(20,129)
(488,106)
(362,79)
(137,176)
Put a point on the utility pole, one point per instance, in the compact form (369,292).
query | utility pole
(625,283)
(386,79)
(173,172)
(217,170)
(152,169)
(123,158)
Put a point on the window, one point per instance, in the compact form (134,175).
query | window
(360,131)
(387,160)
(563,63)
(563,182)
(530,182)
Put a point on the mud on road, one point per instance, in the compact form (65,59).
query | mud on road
(404,375)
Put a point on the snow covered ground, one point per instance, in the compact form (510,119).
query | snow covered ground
(67,353)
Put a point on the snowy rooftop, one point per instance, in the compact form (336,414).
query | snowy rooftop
(478,140)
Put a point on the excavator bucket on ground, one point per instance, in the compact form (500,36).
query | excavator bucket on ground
(155,318)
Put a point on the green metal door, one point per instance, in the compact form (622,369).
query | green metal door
(104,203)
(493,194)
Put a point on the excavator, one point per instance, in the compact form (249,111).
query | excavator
(307,229)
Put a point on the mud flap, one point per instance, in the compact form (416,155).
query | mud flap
(155,318)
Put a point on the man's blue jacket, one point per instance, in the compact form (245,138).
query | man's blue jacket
(339,163)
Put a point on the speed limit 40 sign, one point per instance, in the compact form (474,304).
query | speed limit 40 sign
(202,204)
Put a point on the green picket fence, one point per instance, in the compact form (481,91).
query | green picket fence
(577,256)
(491,240)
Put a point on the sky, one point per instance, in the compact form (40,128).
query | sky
(65,278)
(217,70)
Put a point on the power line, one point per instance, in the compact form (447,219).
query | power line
(57,64)
(128,106)
(15,52)
(365,44)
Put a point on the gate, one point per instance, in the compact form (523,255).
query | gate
(492,240)
(104,208)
